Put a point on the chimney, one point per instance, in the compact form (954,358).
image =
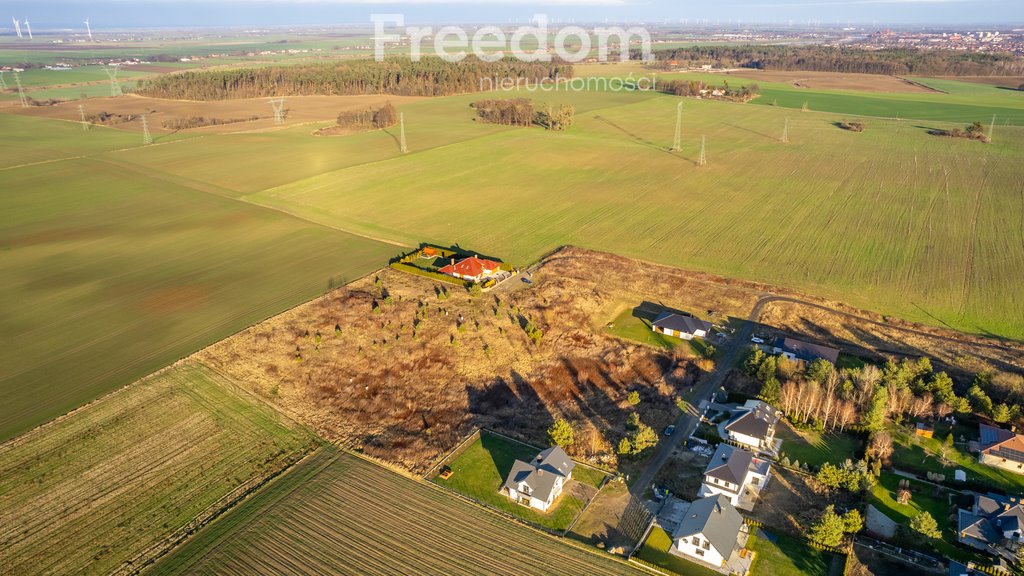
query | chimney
(453,261)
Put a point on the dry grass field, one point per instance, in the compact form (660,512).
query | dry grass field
(110,483)
(299,110)
(404,383)
(336,513)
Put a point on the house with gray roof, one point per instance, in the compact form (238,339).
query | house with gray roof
(1001,448)
(991,522)
(752,426)
(736,474)
(538,483)
(681,326)
(805,351)
(709,532)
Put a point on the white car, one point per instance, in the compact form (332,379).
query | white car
(757,340)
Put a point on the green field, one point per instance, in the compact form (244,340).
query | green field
(91,491)
(118,271)
(481,469)
(335,513)
(522,192)
(883,497)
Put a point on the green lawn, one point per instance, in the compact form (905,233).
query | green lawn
(633,324)
(918,454)
(816,448)
(480,471)
(781,555)
(883,496)
(656,551)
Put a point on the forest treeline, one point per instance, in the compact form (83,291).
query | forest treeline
(398,76)
(521,112)
(843,59)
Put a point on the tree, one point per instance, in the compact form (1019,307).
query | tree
(633,420)
(633,398)
(949,440)
(767,369)
(880,445)
(475,290)
(645,437)
(818,370)
(560,433)
(771,391)
(980,401)
(925,525)
(625,447)
(709,351)
(853,522)
(385,116)
(877,410)
(829,529)
(752,362)
(1001,413)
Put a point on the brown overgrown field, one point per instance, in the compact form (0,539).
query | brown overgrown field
(299,109)
(390,366)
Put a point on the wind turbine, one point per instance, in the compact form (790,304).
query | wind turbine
(17,26)
(29,28)
(88,30)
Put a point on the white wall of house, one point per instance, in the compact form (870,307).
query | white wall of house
(713,486)
(745,440)
(699,548)
(997,462)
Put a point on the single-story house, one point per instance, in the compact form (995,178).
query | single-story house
(680,326)
(799,350)
(538,483)
(990,521)
(472,268)
(736,474)
(753,426)
(709,532)
(1001,448)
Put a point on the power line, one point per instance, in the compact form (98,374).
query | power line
(677,144)
(278,105)
(21,91)
(401,129)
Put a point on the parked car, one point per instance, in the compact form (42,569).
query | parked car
(757,340)
(670,429)
(527,280)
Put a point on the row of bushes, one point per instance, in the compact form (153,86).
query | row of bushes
(200,121)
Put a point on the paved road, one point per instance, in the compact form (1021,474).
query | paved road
(689,420)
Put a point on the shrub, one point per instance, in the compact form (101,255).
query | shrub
(829,528)
(633,398)
(925,525)
(560,433)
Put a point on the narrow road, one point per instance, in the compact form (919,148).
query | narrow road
(688,421)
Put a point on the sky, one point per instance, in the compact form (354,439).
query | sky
(112,14)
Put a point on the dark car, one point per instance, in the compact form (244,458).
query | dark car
(670,430)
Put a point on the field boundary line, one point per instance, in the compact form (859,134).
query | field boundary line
(246,200)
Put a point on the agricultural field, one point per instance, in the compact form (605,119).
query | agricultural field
(338,513)
(480,471)
(118,271)
(893,179)
(110,483)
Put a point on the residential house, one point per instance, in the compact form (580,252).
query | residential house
(753,427)
(1001,448)
(709,532)
(799,350)
(991,521)
(680,326)
(736,474)
(473,268)
(538,483)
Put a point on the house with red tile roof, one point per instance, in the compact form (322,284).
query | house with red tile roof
(473,268)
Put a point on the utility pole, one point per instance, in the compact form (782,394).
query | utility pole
(81,113)
(146,138)
(677,144)
(401,129)
(115,86)
(702,160)
(278,105)
(21,91)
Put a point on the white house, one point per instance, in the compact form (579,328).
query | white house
(680,326)
(473,268)
(537,484)
(709,532)
(736,474)
(753,426)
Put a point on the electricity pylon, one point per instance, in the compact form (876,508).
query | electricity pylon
(146,138)
(677,144)
(81,113)
(785,132)
(702,160)
(401,132)
(278,105)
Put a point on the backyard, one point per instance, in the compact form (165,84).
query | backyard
(480,470)
(920,455)
(635,324)
(780,555)
(815,448)
(656,551)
